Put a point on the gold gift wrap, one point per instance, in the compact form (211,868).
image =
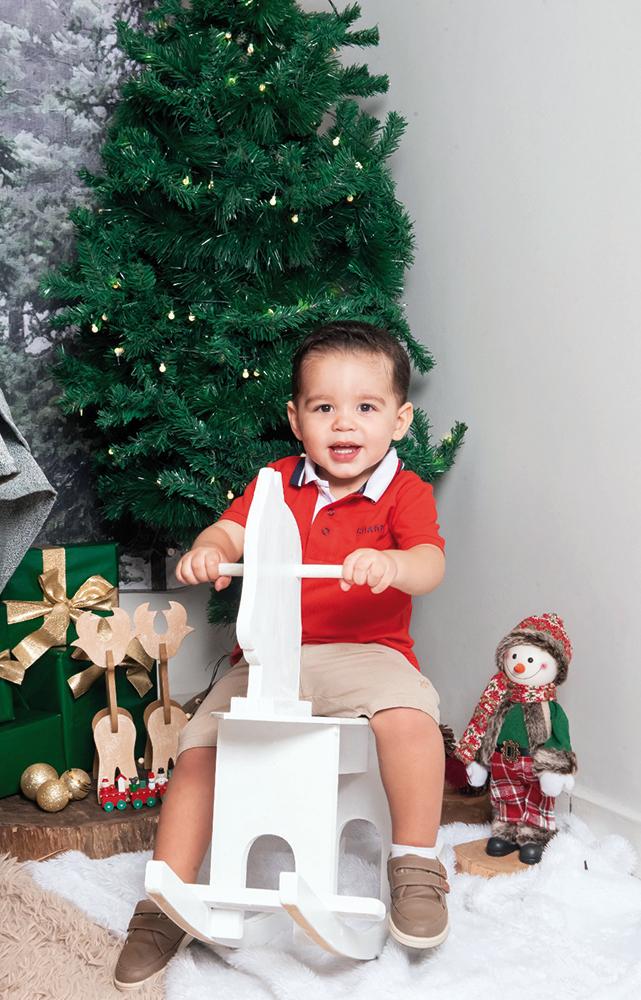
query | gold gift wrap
(55,607)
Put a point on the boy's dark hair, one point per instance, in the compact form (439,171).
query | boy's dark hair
(351,335)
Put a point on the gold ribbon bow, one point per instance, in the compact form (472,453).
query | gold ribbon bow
(10,670)
(136,661)
(95,594)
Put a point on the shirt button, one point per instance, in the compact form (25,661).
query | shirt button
(324,531)
(330,513)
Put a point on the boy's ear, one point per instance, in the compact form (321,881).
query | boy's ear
(404,419)
(292,416)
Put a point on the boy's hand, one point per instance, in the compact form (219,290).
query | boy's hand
(200,565)
(372,567)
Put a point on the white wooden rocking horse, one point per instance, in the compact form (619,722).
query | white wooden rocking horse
(282,771)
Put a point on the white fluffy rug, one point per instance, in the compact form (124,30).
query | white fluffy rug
(568,928)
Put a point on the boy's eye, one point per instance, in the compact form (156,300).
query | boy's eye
(366,407)
(324,407)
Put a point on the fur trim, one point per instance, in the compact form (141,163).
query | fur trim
(488,743)
(533,638)
(536,724)
(505,830)
(526,834)
(557,761)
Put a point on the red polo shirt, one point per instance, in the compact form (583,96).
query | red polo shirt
(402,516)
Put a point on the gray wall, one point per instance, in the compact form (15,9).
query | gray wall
(522,170)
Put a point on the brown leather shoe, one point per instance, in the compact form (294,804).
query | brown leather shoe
(418,912)
(152,940)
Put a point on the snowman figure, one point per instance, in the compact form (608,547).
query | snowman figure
(519,734)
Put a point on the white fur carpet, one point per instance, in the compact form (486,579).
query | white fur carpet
(568,929)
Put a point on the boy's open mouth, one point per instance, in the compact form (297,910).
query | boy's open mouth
(344,452)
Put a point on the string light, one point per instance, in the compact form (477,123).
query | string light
(212,480)
(171,314)
(211,185)
(262,87)
(162,367)
(228,35)
(94,328)
(115,284)
(186,181)
(336,140)
(111,451)
(294,218)
(359,166)
(118,351)
(245,373)
(104,317)
(81,411)
(231,80)
(350,197)
(230,495)
(272,200)
(250,49)
(256,374)
(157,482)
(191,317)
(270,311)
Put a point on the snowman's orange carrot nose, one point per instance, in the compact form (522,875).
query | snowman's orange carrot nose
(518,668)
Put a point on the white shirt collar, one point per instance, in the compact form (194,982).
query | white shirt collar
(375,486)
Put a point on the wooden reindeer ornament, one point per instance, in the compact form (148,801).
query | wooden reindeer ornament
(105,641)
(163,718)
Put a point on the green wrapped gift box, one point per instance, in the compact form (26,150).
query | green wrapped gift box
(7,712)
(49,589)
(45,688)
(32,738)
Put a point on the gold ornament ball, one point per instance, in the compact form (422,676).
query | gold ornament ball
(77,781)
(34,776)
(53,795)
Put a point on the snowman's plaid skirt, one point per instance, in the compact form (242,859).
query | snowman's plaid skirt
(516,793)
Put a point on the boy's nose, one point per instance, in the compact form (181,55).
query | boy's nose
(518,668)
(343,421)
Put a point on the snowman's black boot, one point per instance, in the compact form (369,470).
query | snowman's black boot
(530,854)
(497,847)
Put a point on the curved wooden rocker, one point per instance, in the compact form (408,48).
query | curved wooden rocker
(282,771)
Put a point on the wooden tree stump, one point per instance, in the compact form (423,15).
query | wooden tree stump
(471,859)
(29,834)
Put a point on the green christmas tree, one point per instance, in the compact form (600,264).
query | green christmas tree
(246,198)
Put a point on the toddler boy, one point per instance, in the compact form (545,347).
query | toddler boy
(355,505)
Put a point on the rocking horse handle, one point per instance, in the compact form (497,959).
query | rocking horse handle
(302,570)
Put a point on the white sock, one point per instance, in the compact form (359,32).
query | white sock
(423,852)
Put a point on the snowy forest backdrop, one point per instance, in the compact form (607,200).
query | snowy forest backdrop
(60,73)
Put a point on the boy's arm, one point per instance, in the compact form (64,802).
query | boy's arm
(220,542)
(416,570)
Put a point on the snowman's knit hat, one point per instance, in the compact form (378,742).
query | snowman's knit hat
(546,631)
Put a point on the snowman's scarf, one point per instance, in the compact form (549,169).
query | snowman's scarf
(498,692)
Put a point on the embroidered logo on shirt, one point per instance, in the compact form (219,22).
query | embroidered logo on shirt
(371,527)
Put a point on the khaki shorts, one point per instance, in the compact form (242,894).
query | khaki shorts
(344,679)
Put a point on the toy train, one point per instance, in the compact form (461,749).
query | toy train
(137,792)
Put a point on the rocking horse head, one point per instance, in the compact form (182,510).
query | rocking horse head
(176,630)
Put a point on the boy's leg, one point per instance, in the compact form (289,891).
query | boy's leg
(183,845)
(411,758)
(373,680)
(183,835)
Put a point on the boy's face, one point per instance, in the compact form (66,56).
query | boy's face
(347,415)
